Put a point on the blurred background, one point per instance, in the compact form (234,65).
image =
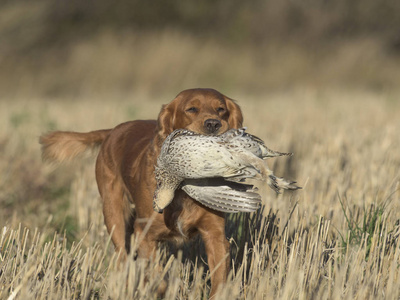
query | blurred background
(100,48)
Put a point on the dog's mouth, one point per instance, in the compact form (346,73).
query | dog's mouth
(217,132)
(211,127)
(205,132)
(212,133)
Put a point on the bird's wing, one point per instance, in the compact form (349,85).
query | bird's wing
(241,132)
(266,152)
(228,197)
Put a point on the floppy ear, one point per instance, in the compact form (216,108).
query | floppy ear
(165,121)
(235,119)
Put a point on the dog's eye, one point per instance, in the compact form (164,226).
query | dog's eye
(192,109)
(220,109)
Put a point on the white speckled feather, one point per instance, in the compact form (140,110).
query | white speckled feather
(234,155)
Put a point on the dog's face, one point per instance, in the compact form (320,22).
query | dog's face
(203,111)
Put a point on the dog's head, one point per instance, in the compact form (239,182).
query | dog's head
(204,111)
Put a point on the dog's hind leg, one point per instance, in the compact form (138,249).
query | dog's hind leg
(115,207)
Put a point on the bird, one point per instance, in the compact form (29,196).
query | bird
(234,155)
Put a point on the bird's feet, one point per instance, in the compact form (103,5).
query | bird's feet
(278,183)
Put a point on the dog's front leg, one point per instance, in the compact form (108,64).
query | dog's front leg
(212,230)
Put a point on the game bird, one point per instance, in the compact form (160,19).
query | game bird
(234,155)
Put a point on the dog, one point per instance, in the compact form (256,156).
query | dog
(125,176)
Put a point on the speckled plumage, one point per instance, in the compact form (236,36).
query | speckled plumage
(223,195)
(234,155)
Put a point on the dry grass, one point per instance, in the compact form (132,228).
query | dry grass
(335,239)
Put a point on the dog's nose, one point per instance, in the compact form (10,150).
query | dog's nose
(212,125)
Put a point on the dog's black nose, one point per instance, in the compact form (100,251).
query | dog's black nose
(212,125)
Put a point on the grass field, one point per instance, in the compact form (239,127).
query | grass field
(337,238)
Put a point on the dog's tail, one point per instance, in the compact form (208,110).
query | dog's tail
(59,146)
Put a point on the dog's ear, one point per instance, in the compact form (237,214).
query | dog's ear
(165,121)
(235,119)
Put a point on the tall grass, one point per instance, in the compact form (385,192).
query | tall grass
(337,238)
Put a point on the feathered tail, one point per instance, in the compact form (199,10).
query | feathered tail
(59,146)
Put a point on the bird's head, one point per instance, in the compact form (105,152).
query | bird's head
(164,193)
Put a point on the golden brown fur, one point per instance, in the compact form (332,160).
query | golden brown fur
(125,176)
(64,145)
